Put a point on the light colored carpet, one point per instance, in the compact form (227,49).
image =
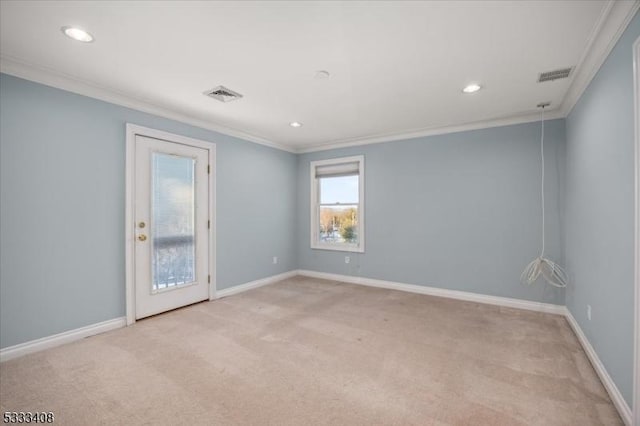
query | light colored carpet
(307,351)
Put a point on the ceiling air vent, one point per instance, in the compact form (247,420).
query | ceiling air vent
(554,75)
(223,94)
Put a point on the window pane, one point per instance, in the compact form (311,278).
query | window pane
(343,190)
(339,224)
(173,206)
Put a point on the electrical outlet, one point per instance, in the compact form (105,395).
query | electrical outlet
(347,259)
(589,312)
(275,260)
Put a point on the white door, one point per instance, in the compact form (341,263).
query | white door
(171,221)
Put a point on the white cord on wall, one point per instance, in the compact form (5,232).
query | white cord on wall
(542,181)
(550,271)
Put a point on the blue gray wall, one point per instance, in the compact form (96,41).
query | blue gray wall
(62,211)
(458,211)
(599,223)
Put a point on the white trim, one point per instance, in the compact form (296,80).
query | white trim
(49,77)
(134,129)
(213,218)
(102,327)
(255,284)
(131,131)
(636,335)
(129,220)
(433,131)
(440,292)
(609,385)
(91,330)
(612,23)
(60,338)
(315,205)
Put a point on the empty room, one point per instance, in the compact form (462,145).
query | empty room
(320,212)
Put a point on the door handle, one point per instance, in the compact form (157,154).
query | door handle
(142,237)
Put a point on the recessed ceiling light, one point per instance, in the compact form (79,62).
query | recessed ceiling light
(472,88)
(321,75)
(295,124)
(77,34)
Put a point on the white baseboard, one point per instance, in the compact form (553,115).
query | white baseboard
(60,338)
(255,284)
(101,327)
(609,385)
(91,330)
(440,292)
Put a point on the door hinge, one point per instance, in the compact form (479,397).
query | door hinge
(208,224)
(208,169)
(209,279)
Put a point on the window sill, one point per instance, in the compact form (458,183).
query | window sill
(335,247)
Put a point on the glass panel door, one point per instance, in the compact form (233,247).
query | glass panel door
(173,221)
(172,234)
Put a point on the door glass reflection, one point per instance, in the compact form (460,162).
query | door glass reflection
(173,224)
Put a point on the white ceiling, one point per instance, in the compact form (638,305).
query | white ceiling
(397,68)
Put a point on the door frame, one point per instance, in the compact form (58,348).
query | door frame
(636,337)
(132,131)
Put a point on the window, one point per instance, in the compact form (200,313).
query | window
(337,204)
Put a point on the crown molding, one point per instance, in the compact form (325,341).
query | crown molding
(50,77)
(432,131)
(613,21)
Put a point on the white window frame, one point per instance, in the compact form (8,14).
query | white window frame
(315,205)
